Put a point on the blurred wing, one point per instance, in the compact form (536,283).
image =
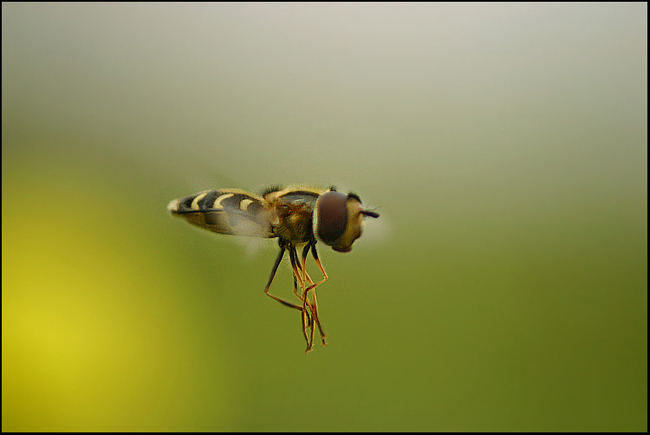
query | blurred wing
(225,211)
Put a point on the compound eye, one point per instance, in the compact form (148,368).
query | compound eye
(331,217)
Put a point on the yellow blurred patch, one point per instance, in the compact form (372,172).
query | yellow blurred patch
(89,342)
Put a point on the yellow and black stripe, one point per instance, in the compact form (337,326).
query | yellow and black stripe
(225,211)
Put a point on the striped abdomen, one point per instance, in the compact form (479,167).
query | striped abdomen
(225,211)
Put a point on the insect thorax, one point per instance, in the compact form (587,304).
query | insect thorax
(292,220)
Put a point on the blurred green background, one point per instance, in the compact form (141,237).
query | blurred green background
(503,288)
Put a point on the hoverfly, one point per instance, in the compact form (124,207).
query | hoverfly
(299,217)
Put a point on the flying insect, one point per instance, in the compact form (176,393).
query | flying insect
(299,217)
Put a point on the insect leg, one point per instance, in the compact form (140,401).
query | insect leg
(305,252)
(320,266)
(306,316)
(313,286)
(268,284)
(300,270)
(314,307)
(307,320)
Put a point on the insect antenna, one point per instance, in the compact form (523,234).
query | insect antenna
(370,213)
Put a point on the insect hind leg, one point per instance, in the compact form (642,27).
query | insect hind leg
(272,276)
